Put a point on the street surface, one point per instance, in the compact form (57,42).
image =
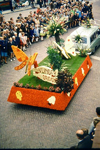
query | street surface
(24,126)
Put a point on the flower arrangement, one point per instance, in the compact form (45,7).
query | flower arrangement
(32,86)
(86,23)
(16,84)
(65,81)
(55,28)
(21,85)
(58,90)
(51,89)
(84,51)
(78,39)
(27,86)
(45,89)
(38,87)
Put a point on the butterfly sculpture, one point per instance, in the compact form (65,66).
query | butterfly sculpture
(22,57)
(69,46)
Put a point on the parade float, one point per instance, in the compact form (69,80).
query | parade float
(53,82)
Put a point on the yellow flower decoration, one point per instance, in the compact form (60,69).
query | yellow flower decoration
(19,95)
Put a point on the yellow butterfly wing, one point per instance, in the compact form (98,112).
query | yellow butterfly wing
(20,55)
(31,62)
(21,65)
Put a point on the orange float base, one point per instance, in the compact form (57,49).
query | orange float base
(40,98)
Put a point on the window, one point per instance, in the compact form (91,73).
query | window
(93,37)
(84,40)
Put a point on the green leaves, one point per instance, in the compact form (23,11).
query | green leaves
(54,57)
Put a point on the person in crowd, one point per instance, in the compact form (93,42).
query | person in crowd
(42,34)
(20,35)
(82,17)
(84,139)
(17,38)
(92,126)
(10,51)
(79,14)
(85,130)
(38,10)
(27,33)
(29,21)
(31,14)
(71,19)
(11,21)
(18,25)
(24,41)
(14,41)
(36,33)
(37,21)
(4,50)
(20,16)
(32,36)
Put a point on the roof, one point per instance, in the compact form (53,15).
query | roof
(82,31)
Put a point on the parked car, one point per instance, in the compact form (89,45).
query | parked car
(90,38)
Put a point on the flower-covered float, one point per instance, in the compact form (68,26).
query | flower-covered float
(53,82)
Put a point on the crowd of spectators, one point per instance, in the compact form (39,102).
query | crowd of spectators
(27,30)
(86,137)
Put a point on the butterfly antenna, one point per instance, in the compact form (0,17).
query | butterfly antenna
(27,65)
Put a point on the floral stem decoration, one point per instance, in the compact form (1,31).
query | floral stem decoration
(55,28)
(78,39)
(86,23)
(84,51)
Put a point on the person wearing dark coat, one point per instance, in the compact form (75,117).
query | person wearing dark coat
(11,42)
(32,37)
(17,39)
(9,48)
(14,42)
(85,140)
(4,50)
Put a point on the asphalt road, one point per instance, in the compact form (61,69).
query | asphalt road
(24,126)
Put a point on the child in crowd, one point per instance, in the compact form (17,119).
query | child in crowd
(36,33)
(32,37)
(20,35)
(42,34)
(37,21)
(10,43)
(27,34)
(24,41)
